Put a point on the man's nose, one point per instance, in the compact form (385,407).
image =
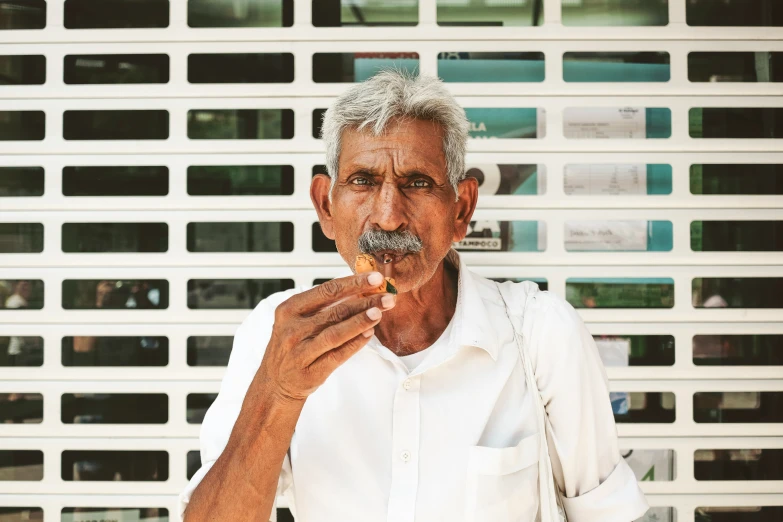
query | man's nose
(389,208)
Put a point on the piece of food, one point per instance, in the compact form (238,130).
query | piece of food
(366,263)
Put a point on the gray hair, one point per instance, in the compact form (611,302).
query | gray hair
(397,94)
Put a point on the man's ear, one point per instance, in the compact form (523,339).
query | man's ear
(320,186)
(467,198)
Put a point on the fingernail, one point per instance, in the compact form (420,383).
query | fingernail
(387,301)
(368,333)
(374,314)
(375,278)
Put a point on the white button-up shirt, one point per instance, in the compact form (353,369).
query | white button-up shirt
(455,438)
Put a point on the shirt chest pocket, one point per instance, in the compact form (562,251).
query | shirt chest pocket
(502,483)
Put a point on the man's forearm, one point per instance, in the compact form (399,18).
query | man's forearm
(242,483)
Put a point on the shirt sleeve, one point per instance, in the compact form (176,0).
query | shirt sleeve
(596,482)
(250,341)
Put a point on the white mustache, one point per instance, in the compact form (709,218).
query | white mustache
(378,240)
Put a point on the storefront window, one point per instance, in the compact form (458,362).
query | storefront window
(491,13)
(116,68)
(21,238)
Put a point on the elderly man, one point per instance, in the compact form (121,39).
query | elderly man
(364,406)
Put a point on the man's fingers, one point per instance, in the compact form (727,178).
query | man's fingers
(330,360)
(329,292)
(346,309)
(340,333)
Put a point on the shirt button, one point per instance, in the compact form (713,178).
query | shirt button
(407,384)
(405,456)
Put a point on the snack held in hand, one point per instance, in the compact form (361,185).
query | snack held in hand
(367,263)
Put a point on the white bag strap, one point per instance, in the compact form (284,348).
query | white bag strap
(549,505)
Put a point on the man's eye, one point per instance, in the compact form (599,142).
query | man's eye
(360,181)
(420,183)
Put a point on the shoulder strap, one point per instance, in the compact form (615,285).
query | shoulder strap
(549,502)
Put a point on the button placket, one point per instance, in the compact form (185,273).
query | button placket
(405,448)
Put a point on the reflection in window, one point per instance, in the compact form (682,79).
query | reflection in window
(357,67)
(91,465)
(116,14)
(738,464)
(504,236)
(321,243)
(21,465)
(16,182)
(643,407)
(738,350)
(635,350)
(515,180)
(258,236)
(22,14)
(615,12)
(617,123)
(19,69)
(22,125)
(318,115)
(116,68)
(115,237)
(336,13)
(209,350)
(21,351)
(112,294)
(650,465)
(746,179)
(21,514)
(735,66)
(132,180)
(241,68)
(491,13)
(249,13)
(506,123)
(479,67)
(736,122)
(116,125)
(631,179)
(21,238)
(232,294)
(115,408)
(615,66)
(733,407)
(21,294)
(115,351)
(240,124)
(637,235)
(118,514)
(240,180)
(738,514)
(193,463)
(21,408)
(197,406)
(737,292)
(642,292)
(735,13)
(737,236)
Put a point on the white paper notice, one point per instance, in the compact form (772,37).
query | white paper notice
(606,235)
(606,179)
(613,352)
(604,122)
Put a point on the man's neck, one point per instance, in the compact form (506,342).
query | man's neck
(420,316)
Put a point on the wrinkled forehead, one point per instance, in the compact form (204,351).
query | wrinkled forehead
(409,143)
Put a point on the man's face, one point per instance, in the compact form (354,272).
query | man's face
(396,182)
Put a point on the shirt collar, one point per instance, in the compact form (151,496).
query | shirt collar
(471,324)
